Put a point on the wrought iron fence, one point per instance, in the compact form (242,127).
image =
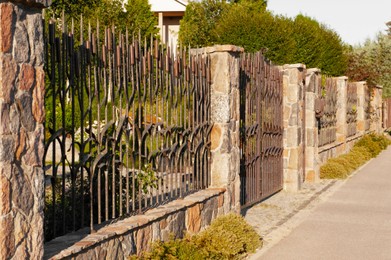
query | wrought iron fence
(327,123)
(261,129)
(128,126)
(351,109)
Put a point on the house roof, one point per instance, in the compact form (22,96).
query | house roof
(168,5)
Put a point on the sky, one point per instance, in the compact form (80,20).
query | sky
(354,20)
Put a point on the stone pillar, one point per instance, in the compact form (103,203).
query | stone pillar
(313,83)
(362,89)
(376,109)
(22,88)
(225,115)
(342,83)
(294,132)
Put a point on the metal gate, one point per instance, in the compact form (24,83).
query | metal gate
(261,115)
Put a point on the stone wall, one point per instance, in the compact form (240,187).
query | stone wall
(134,235)
(298,144)
(22,88)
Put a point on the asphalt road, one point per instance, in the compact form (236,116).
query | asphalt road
(352,223)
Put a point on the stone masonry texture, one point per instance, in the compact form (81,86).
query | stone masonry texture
(22,91)
(134,235)
(294,131)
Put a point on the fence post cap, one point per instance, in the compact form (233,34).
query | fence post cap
(313,70)
(342,77)
(217,48)
(295,66)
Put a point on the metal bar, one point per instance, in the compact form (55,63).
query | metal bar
(134,109)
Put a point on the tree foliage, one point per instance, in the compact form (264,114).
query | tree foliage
(318,46)
(134,15)
(371,62)
(199,23)
(247,23)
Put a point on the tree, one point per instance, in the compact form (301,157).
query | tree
(136,15)
(372,62)
(247,23)
(199,22)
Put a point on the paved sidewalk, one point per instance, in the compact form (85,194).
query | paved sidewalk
(343,220)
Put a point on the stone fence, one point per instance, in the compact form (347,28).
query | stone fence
(22,115)
(302,154)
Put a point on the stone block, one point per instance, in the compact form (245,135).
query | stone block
(24,103)
(143,239)
(8,71)
(23,198)
(293,119)
(293,93)
(7,148)
(310,157)
(14,118)
(220,73)
(193,218)
(26,77)
(6,26)
(220,108)
(311,135)
(5,195)
(36,148)
(292,136)
(310,101)
(35,34)
(293,159)
(7,243)
(287,112)
(310,86)
(291,181)
(4,118)
(220,169)
(21,47)
(235,104)
(310,119)
(38,105)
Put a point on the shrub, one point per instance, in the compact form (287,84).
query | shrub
(344,162)
(175,249)
(381,140)
(333,170)
(373,147)
(367,147)
(350,162)
(361,153)
(228,237)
